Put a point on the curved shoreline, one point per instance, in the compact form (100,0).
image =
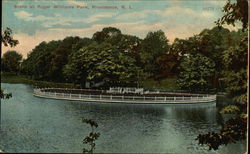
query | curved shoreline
(109,98)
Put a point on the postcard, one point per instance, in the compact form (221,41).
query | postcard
(126,76)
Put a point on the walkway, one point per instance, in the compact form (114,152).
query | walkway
(109,98)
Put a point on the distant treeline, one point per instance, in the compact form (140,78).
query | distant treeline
(202,62)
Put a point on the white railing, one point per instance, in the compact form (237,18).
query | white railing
(139,99)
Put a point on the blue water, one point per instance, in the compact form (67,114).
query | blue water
(32,124)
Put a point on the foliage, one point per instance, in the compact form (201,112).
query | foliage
(93,136)
(7,39)
(11,61)
(38,62)
(5,96)
(235,63)
(230,109)
(235,12)
(234,130)
(60,56)
(154,45)
(46,61)
(106,33)
(235,60)
(167,83)
(101,62)
(7,77)
(196,73)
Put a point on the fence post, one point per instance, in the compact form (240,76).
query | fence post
(69,95)
(165,99)
(133,98)
(155,98)
(111,97)
(100,96)
(174,99)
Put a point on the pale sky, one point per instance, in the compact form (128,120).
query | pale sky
(177,18)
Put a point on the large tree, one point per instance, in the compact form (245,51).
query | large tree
(101,63)
(235,73)
(235,59)
(235,12)
(11,61)
(154,45)
(38,62)
(106,33)
(196,72)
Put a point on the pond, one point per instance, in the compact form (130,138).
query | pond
(32,124)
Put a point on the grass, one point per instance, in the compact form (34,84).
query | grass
(167,84)
(17,78)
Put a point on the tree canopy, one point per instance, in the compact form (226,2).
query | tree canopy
(101,63)
(11,61)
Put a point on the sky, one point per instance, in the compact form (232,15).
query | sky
(34,21)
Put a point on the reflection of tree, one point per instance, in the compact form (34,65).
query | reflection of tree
(196,114)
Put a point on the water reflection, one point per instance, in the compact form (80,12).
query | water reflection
(32,124)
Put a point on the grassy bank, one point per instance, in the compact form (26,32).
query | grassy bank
(17,78)
(169,83)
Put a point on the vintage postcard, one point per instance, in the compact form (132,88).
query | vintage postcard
(124,76)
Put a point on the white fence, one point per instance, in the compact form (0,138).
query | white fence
(120,98)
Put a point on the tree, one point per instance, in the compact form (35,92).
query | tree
(212,43)
(92,137)
(11,61)
(59,58)
(235,59)
(7,40)
(235,12)
(38,62)
(196,73)
(129,45)
(106,33)
(235,74)
(101,63)
(168,63)
(154,45)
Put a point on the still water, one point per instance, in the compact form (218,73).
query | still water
(32,124)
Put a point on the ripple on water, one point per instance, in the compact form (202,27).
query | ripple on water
(32,124)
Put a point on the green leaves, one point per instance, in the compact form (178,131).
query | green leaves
(235,74)
(4,95)
(234,130)
(92,137)
(7,39)
(231,109)
(11,61)
(101,62)
(235,12)
(153,46)
(196,71)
